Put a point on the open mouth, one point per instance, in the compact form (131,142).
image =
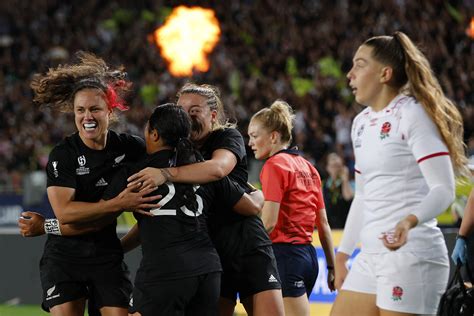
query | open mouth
(89,126)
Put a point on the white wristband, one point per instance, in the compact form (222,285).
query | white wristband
(51,226)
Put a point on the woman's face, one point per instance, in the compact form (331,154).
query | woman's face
(365,77)
(202,117)
(91,115)
(260,140)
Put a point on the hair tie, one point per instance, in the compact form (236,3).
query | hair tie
(113,99)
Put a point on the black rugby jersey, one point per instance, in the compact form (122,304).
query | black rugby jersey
(175,241)
(231,232)
(72,164)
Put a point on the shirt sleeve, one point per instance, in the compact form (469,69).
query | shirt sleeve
(61,168)
(433,158)
(273,181)
(423,137)
(225,192)
(232,140)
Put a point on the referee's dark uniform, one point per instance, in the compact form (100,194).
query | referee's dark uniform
(179,273)
(89,265)
(248,262)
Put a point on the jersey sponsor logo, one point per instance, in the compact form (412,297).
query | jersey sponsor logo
(385,130)
(272,279)
(82,162)
(55,169)
(101,183)
(397,293)
(49,293)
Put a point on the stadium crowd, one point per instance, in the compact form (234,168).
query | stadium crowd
(296,51)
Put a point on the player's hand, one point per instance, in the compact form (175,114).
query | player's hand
(460,252)
(31,224)
(340,269)
(396,238)
(331,280)
(147,178)
(134,199)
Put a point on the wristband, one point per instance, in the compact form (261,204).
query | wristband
(330,267)
(51,226)
(461,237)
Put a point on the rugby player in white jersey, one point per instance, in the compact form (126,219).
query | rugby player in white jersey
(407,145)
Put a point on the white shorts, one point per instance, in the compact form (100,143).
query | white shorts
(409,282)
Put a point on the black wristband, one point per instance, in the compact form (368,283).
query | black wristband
(330,267)
(461,237)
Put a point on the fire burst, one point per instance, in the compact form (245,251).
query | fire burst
(186,38)
(470,29)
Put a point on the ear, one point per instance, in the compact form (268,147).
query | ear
(275,137)
(154,136)
(213,116)
(386,74)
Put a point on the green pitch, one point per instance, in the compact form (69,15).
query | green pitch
(22,310)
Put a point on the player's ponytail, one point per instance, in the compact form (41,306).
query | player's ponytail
(413,75)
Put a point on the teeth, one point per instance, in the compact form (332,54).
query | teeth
(90,125)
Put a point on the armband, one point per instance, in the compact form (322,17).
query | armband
(51,226)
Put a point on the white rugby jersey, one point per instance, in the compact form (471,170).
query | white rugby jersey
(389,145)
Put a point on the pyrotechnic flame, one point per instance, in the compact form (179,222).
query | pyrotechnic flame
(186,38)
(470,29)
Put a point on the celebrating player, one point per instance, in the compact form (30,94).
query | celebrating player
(79,169)
(249,266)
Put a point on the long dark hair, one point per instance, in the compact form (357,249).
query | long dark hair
(174,126)
(56,89)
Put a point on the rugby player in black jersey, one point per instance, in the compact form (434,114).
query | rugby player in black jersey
(180,270)
(78,171)
(249,266)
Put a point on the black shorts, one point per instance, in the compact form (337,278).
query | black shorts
(249,274)
(107,283)
(298,267)
(197,295)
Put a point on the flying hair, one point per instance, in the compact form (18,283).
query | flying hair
(56,89)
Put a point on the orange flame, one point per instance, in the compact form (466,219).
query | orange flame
(186,38)
(470,29)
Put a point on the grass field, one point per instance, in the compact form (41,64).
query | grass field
(22,310)
(35,310)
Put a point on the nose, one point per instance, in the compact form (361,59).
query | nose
(87,114)
(349,75)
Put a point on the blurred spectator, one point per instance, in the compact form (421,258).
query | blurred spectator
(337,191)
(296,51)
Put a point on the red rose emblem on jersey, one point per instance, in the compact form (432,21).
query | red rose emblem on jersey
(397,293)
(384,132)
